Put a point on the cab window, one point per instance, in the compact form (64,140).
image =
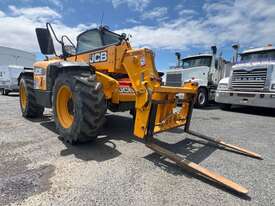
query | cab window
(88,41)
(95,38)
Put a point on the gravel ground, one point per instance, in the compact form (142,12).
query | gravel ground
(37,168)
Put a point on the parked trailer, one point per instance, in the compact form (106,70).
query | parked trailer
(8,78)
(12,63)
(252,80)
(206,69)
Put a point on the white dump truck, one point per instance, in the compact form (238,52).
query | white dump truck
(252,80)
(206,69)
(12,63)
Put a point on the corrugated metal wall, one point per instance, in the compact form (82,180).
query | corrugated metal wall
(10,56)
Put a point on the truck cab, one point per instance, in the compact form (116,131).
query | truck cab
(252,80)
(206,69)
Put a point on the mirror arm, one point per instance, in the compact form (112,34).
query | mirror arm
(65,36)
(62,43)
(50,29)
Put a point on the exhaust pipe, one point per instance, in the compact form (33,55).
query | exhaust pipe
(178,58)
(235,53)
(214,50)
(213,61)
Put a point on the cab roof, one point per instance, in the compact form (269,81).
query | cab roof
(198,55)
(259,49)
(101,28)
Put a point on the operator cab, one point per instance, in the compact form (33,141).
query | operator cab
(87,41)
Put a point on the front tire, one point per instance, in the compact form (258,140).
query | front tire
(202,98)
(28,104)
(79,107)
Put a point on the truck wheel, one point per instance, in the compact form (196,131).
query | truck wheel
(29,107)
(5,92)
(225,107)
(79,107)
(202,98)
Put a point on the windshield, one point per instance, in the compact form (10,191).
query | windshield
(94,39)
(258,56)
(196,62)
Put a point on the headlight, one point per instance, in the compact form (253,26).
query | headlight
(223,86)
(273,86)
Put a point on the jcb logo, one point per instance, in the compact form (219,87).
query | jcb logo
(99,57)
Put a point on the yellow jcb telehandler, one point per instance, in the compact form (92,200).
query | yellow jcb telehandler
(104,72)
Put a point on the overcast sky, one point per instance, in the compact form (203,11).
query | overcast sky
(166,26)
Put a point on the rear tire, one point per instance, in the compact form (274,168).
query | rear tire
(202,98)
(80,117)
(2,92)
(28,104)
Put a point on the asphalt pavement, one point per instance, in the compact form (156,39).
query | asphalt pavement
(38,168)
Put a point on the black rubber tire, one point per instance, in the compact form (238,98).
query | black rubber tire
(225,107)
(6,92)
(89,107)
(32,109)
(199,103)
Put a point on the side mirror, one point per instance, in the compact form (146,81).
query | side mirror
(45,41)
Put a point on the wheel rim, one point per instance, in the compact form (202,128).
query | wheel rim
(23,96)
(201,98)
(65,106)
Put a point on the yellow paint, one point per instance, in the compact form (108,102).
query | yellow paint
(23,96)
(40,80)
(140,66)
(110,85)
(64,95)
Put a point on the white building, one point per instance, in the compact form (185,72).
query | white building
(10,56)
